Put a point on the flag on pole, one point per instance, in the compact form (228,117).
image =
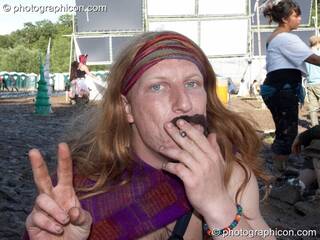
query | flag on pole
(47,69)
(77,48)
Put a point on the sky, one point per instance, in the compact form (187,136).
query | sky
(14,13)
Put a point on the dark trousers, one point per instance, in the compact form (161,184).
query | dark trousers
(284,108)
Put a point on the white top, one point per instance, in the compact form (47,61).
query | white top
(287,50)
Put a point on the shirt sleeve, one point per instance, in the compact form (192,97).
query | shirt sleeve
(294,49)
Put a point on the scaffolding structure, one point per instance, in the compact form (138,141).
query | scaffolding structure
(231,33)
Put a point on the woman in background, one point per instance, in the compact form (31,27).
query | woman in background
(73,80)
(282,91)
(79,88)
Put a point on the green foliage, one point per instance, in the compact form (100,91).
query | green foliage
(313,13)
(318,9)
(20,59)
(60,54)
(65,24)
(20,49)
(98,68)
(5,41)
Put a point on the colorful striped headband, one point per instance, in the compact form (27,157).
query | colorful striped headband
(164,46)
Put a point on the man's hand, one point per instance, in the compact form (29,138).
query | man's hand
(57,213)
(200,166)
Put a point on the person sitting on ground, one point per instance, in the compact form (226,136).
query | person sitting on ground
(159,156)
(310,141)
(308,182)
(304,186)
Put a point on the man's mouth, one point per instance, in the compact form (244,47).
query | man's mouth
(197,119)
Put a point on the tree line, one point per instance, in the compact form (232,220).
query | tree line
(20,50)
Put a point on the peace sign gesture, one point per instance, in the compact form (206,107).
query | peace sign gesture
(57,212)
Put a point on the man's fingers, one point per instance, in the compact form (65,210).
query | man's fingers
(47,205)
(40,172)
(184,141)
(39,220)
(180,170)
(64,170)
(179,155)
(196,143)
(80,217)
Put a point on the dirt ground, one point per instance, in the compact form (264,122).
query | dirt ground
(21,130)
(279,215)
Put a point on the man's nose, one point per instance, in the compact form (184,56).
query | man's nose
(181,102)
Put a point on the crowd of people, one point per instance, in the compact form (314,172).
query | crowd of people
(161,157)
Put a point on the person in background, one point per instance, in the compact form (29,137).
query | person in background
(1,83)
(78,85)
(309,140)
(82,72)
(255,89)
(4,84)
(73,80)
(13,83)
(313,82)
(304,186)
(282,90)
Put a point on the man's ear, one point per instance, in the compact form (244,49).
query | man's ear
(127,107)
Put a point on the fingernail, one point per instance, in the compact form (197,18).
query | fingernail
(58,229)
(181,122)
(66,220)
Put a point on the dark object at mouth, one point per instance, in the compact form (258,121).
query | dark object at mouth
(195,119)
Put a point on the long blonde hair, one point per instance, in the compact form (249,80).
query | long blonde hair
(102,151)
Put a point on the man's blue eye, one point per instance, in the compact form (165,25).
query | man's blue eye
(192,84)
(156,87)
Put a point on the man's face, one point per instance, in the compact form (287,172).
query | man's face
(169,89)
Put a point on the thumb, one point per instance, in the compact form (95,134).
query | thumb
(80,217)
